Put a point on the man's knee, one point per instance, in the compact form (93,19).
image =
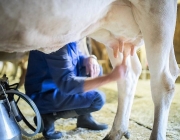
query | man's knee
(99,101)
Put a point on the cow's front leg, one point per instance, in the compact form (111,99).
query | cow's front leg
(126,90)
(162,87)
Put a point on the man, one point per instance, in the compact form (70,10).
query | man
(59,86)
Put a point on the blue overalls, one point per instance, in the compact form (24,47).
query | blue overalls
(55,82)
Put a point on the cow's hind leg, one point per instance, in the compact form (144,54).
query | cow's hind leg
(156,20)
(162,87)
(126,90)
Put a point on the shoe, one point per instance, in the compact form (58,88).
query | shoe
(87,121)
(53,135)
(49,129)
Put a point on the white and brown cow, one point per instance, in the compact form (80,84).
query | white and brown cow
(122,25)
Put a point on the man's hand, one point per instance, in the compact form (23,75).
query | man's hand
(92,66)
(119,71)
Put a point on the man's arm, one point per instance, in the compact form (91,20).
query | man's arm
(92,83)
(118,72)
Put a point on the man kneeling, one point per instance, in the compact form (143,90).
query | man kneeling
(62,85)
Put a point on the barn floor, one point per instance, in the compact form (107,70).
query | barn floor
(141,119)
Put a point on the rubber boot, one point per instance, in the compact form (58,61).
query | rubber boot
(49,129)
(87,121)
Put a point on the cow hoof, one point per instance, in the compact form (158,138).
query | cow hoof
(127,135)
(115,137)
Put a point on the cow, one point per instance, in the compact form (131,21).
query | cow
(122,25)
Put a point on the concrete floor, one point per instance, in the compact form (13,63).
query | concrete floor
(141,119)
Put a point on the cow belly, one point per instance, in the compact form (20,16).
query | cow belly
(27,25)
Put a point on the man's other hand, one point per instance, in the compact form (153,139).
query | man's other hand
(92,66)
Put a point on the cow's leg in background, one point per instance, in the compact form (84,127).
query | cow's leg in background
(156,20)
(3,69)
(126,90)
(173,66)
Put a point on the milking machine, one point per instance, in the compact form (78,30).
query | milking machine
(11,115)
